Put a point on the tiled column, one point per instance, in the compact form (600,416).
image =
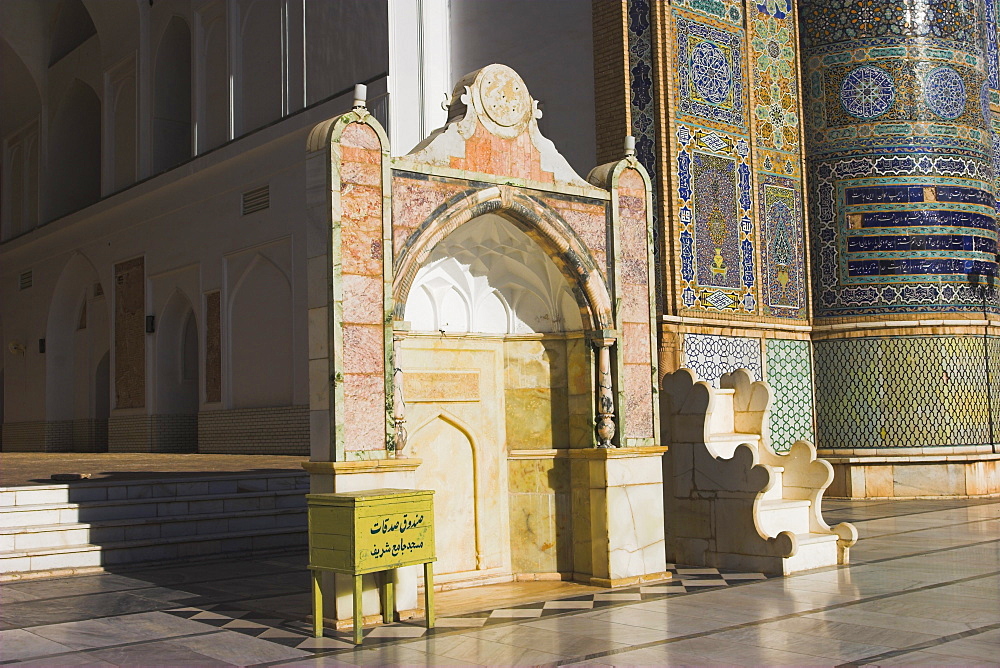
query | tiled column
(902,223)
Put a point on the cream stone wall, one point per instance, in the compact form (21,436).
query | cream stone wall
(536,395)
(541,522)
(454,389)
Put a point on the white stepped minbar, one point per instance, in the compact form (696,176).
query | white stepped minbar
(731,500)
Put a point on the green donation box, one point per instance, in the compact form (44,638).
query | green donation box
(375,530)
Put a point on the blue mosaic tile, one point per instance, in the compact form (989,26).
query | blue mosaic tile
(903,177)
(867,92)
(710,72)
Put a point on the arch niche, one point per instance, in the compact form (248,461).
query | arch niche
(177,375)
(498,295)
(77,357)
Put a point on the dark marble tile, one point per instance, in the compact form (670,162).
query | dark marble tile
(164,653)
(75,608)
(17,644)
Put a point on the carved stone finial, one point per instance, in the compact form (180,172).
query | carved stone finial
(360,96)
(629,146)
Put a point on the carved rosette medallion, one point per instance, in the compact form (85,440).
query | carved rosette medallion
(502,100)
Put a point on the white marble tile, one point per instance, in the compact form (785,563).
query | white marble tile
(516,613)
(459,622)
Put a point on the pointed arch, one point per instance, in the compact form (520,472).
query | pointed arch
(72,26)
(462,493)
(176,391)
(72,355)
(260,76)
(260,335)
(172,96)
(541,223)
(74,156)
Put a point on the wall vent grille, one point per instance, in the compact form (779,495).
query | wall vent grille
(257,199)
(25,280)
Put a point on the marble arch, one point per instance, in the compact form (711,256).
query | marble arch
(539,221)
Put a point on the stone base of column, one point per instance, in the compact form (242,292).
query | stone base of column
(621,526)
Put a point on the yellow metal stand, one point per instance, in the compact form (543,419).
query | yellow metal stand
(375,531)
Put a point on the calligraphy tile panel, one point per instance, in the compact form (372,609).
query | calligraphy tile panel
(902,201)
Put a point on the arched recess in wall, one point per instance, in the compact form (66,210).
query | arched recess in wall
(447,450)
(177,358)
(214,130)
(15,196)
(125,134)
(20,106)
(490,277)
(261,57)
(74,160)
(77,338)
(548,234)
(260,334)
(72,26)
(172,96)
(490,294)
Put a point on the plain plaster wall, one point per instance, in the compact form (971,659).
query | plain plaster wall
(550,45)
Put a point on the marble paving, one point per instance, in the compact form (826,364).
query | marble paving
(922,590)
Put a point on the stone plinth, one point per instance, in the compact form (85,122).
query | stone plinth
(624,526)
(914,476)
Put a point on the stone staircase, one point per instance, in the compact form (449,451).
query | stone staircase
(82,527)
(733,501)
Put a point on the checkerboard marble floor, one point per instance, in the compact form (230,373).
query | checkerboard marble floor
(923,589)
(296,632)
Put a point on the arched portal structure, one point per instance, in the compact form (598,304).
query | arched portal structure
(479,281)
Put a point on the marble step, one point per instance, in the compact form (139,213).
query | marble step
(777,515)
(99,490)
(776,491)
(169,506)
(722,419)
(815,550)
(52,536)
(87,556)
(723,444)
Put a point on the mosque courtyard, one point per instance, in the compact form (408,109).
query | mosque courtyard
(922,589)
